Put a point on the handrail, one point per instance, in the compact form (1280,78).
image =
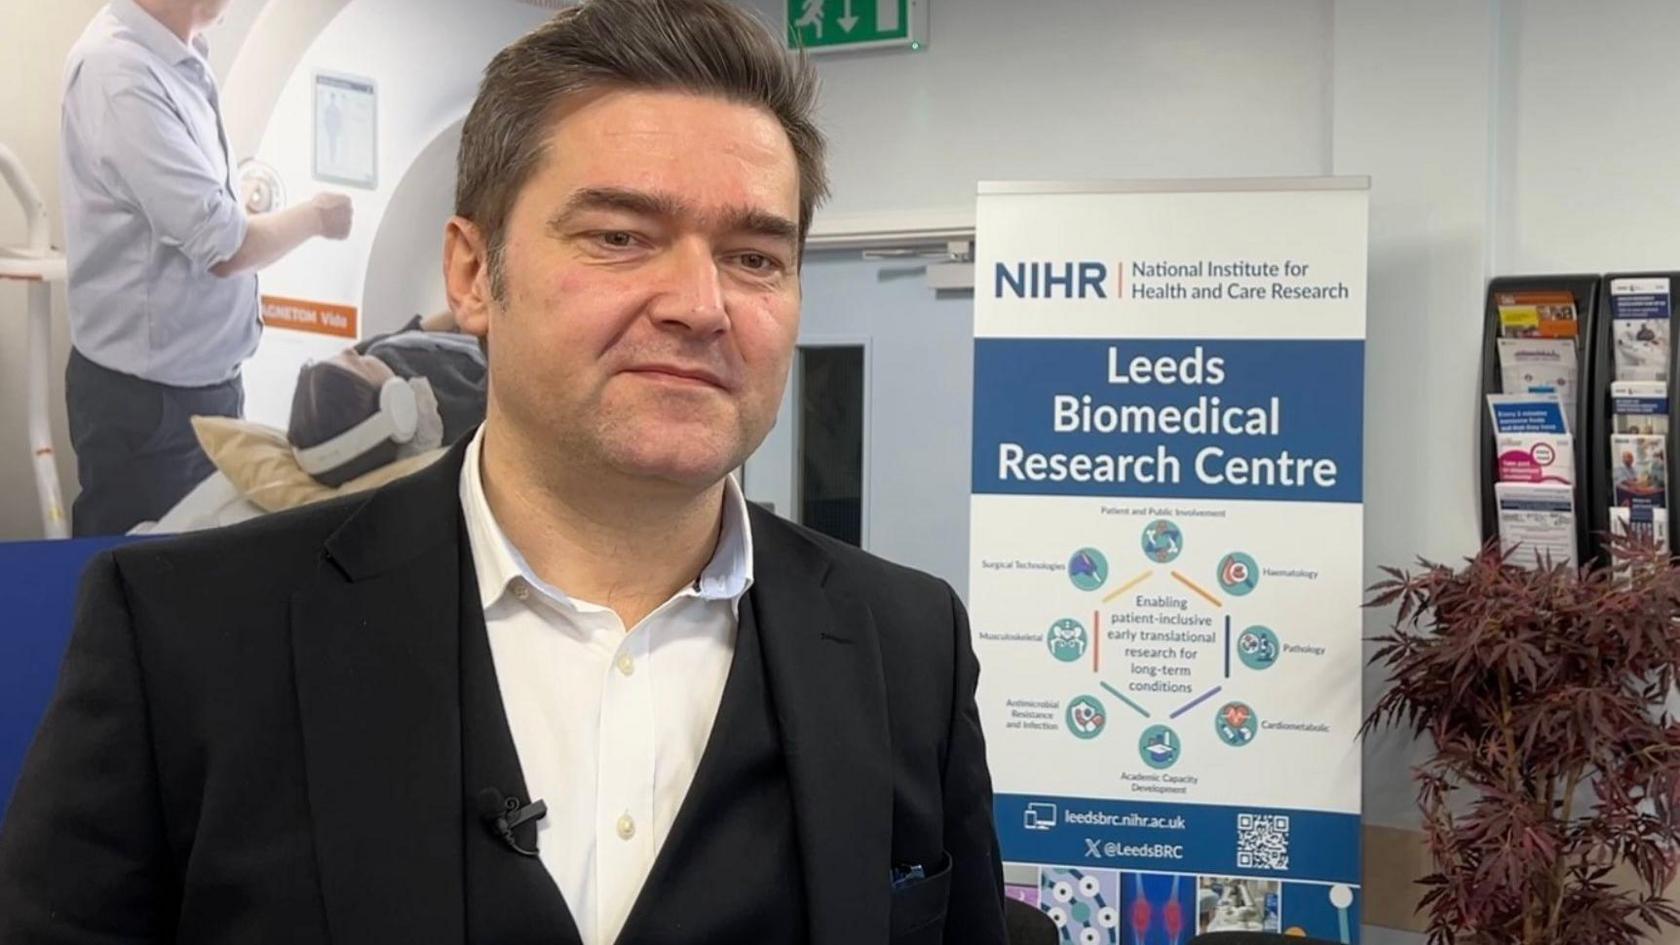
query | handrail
(34,210)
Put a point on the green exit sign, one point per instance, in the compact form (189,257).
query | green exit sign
(838,25)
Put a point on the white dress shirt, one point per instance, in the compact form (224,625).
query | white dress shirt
(609,725)
(150,206)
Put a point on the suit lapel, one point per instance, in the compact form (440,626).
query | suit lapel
(824,666)
(375,643)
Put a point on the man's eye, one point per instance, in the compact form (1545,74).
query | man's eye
(617,240)
(758,262)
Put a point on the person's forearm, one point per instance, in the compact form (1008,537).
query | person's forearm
(270,236)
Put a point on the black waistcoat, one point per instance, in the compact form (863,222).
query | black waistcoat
(729,871)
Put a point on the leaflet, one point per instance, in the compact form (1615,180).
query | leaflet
(1537,523)
(1639,407)
(1537,314)
(1536,458)
(1646,524)
(1639,320)
(1639,468)
(1538,366)
(1527,413)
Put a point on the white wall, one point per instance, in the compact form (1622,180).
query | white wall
(1420,127)
(1588,177)
(1078,89)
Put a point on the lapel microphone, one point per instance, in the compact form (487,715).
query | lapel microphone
(502,814)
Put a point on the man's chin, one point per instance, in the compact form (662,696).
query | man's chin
(681,468)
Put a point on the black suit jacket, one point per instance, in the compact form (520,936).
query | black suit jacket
(256,738)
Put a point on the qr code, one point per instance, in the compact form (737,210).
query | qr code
(1263,842)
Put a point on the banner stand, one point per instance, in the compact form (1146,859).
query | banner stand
(1166,560)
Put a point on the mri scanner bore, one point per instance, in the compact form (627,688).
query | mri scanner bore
(380,121)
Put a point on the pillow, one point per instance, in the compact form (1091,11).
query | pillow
(259,462)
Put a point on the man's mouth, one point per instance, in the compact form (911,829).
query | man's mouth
(680,373)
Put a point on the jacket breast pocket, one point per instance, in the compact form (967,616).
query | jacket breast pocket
(918,908)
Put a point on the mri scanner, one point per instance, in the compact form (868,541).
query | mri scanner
(367,98)
(882,329)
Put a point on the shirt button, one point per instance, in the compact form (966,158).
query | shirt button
(520,590)
(626,827)
(626,665)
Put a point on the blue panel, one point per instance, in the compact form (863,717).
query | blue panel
(1210,419)
(1312,909)
(38,582)
(1179,838)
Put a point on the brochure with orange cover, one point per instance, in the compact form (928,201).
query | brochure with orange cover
(1537,315)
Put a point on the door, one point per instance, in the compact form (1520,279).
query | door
(872,442)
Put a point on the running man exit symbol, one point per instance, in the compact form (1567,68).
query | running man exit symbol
(833,25)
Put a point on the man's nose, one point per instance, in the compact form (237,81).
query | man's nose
(691,294)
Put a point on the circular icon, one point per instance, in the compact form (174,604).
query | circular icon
(1258,648)
(1236,724)
(1088,569)
(1057,916)
(1341,896)
(1238,574)
(260,188)
(1088,886)
(1108,917)
(1086,717)
(1063,891)
(1090,937)
(1159,747)
(1543,454)
(1162,541)
(1067,640)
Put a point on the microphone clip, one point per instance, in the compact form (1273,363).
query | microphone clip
(504,814)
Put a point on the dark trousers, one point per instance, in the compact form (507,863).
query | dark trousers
(136,454)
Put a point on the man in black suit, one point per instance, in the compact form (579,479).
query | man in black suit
(336,725)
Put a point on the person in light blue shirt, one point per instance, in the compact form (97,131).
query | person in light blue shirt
(163,258)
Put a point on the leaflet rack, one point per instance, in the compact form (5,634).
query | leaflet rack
(1591,383)
(1599,420)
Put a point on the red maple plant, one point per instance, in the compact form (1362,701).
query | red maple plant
(1556,762)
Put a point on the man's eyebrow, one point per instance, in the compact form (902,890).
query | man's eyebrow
(638,202)
(761,223)
(667,206)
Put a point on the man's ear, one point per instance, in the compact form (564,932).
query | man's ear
(466,275)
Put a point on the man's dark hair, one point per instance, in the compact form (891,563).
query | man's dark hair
(708,47)
(328,401)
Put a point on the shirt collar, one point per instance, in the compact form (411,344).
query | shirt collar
(727,577)
(157,37)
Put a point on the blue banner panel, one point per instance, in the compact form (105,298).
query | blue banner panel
(1278,420)
(1153,836)
(38,582)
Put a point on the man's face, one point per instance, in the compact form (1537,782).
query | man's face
(371,369)
(207,13)
(651,289)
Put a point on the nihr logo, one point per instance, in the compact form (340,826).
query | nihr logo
(1086,279)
